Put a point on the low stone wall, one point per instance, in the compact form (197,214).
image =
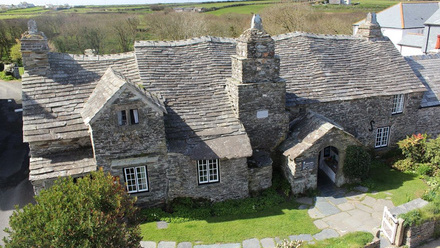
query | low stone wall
(417,235)
(260,178)
(374,244)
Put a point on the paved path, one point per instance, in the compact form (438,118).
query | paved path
(336,212)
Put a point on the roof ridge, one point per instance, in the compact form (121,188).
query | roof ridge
(82,57)
(313,35)
(424,56)
(191,41)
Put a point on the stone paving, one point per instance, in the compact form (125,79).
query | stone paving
(336,212)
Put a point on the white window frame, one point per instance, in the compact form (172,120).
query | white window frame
(208,171)
(398,101)
(382,137)
(136,179)
(131,117)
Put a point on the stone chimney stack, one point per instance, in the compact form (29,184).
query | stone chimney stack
(370,29)
(34,49)
(256,91)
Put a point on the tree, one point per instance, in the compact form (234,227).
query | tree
(15,52)
(94,211)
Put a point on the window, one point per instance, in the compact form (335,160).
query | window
(397,104)
(136,179)
(382,137)
(122,117)
(208,171)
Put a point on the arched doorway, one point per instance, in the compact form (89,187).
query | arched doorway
(328,165)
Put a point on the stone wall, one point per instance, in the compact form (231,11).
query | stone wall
(355,116)
(183,179)
(260,178)
(251,102)
(157,172)
(417,235)
(428,121)
(112,141)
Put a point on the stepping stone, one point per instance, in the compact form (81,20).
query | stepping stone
(303,207)
(305,200)
(326,234)
(345,206)
(231,245)
(267,243)
(251,243)
(303,237)
(361,189)
(337,201)
(320,224)
(369,201)
(315,213)
(184,245)
(364,208)
(148,244)
(161,225)
(326,208)
(166,244)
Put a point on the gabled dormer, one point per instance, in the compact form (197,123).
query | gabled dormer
(124,120)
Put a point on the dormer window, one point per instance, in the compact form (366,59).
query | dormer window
(123,118)
(397,104)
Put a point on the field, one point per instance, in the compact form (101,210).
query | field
(218,8)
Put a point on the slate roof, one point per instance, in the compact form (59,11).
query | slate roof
(426,67)
(73,163)
(52,104)
(434,19)
(106,90)
(412,40)
(321,68)
(191,76)
(405,15)
(308,131)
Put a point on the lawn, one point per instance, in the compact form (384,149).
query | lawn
(351,240)
(280,221)
(402,187)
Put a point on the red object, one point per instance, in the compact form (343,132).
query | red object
(437,45)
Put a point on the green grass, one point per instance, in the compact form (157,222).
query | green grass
(351,240)
(280,221)
(400,186)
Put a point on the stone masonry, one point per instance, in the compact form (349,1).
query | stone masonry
(256,90)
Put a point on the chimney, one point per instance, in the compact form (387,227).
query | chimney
(370,29)
(255,59)
(34,49)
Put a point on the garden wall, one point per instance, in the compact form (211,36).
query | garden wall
(418,234)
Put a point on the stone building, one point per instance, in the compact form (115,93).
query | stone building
(207,117)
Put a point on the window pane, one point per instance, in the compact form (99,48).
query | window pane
(134,118)
(142,178)
(122,118)
(208,171)
(130,180)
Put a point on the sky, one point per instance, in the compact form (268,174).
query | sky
(98,2)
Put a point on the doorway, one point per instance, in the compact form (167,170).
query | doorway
(328,165)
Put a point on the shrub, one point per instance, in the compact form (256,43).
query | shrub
(433,151)
(404,165)
(95,211)
(412,217)
(424,169)
(357,163)
(414,147)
